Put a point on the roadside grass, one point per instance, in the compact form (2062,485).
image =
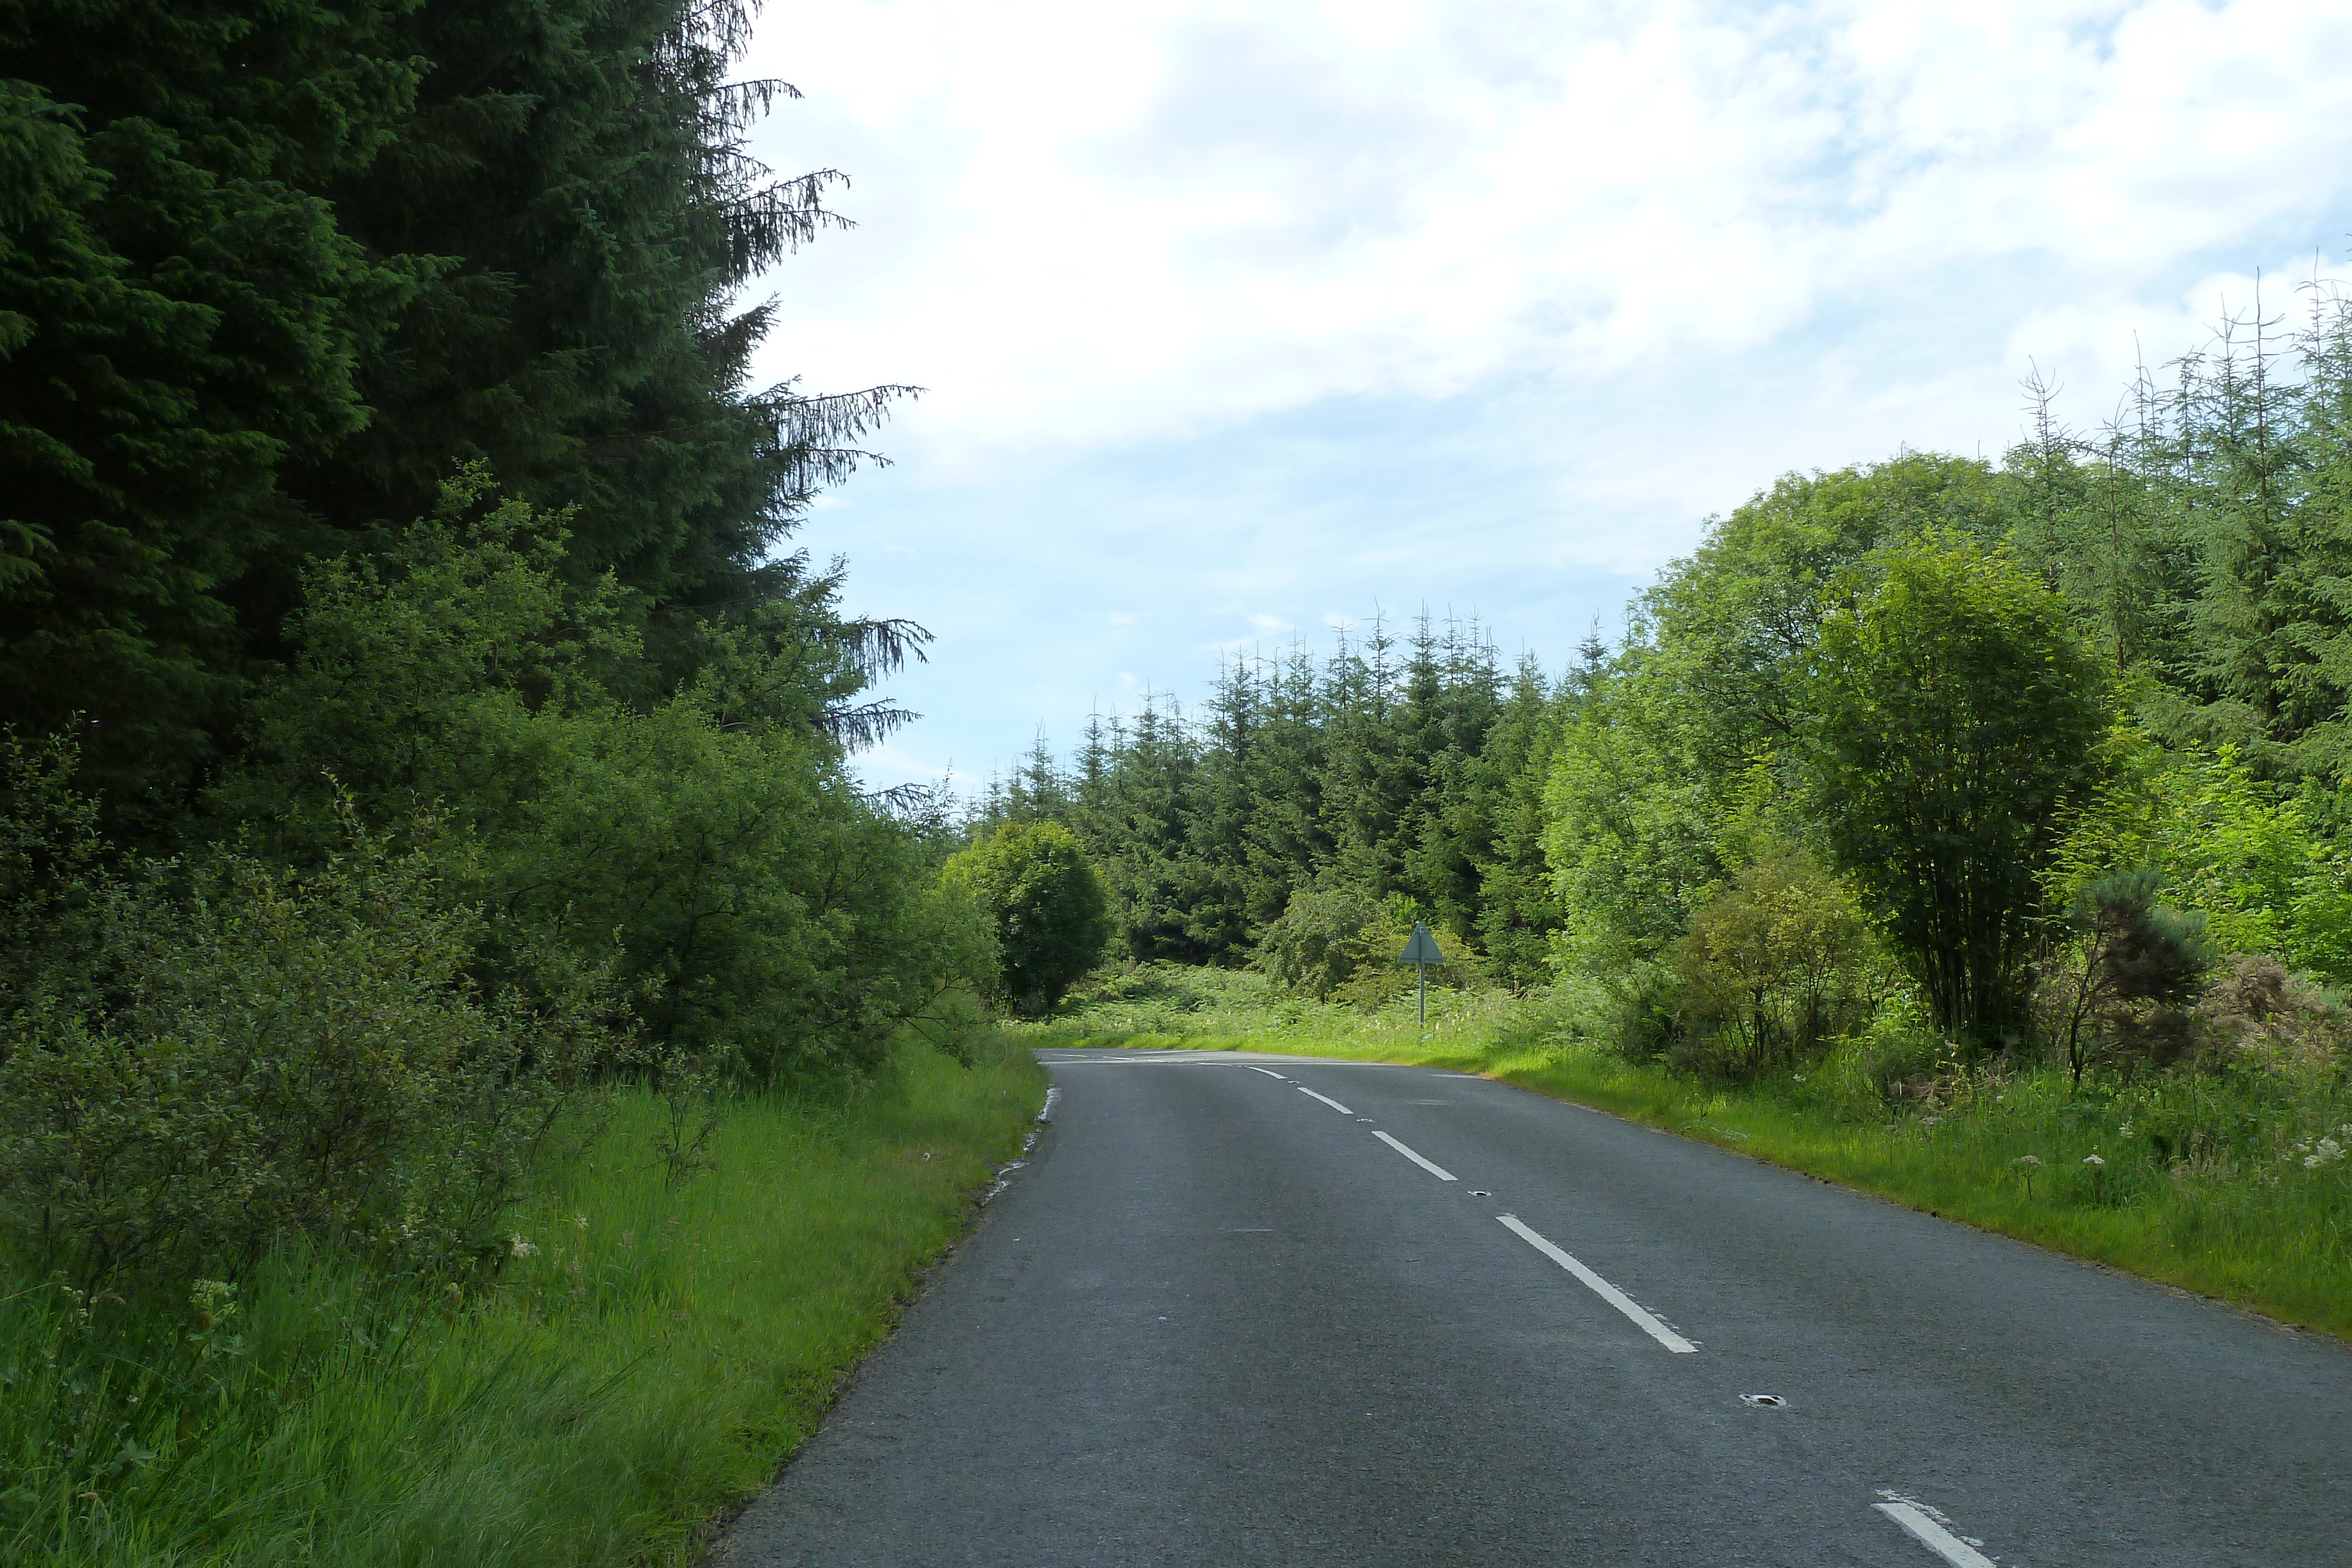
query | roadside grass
(647,1357)
(1171,1006)
(2234,1185)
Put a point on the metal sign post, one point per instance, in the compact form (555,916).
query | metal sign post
(1420,953)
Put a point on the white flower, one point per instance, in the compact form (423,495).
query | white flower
(2026,1160)
(516,1247)
(2092,1160)
(579,1220)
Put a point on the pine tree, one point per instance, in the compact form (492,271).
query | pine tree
(180,319)
(271,275)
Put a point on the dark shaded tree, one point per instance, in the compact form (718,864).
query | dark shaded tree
(1956,716)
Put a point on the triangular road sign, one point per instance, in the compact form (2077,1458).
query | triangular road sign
(1422,948)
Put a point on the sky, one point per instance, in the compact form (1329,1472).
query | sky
(1237,324)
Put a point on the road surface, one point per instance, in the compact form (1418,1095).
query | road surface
(1258,1310)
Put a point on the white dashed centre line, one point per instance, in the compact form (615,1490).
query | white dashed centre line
(1601,1287)
(1270,1071)
(1440,1172)
(1931,1532)
(1325,1099)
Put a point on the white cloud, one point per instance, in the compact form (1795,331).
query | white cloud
(1091,223)
(1233,313)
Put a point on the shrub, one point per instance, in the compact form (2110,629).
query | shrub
(710,844)
(2253,861)
(1316,944)
(2132,966)
(266,1056)
(1640,1012)
(1034,884)
(50,847)
(1776,964)
(1338,942)
(1378,978)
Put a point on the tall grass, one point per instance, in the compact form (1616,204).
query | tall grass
(648,1356)
(2236,1183)
(1171,1005)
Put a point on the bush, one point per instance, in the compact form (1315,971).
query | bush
(2253,862)
(762,912)
(1033,882)
(1337,943)
(1776,964)
(2121,988)
(1640,1013)
(265,1056)
(1316,944)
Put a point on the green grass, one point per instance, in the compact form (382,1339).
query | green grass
(649,1365)
(2201,1180)
(1167,1004)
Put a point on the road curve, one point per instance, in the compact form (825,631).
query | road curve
(1234,1312)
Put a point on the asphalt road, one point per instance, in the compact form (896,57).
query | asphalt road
(1219,1320)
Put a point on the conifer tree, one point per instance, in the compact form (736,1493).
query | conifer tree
(270,276)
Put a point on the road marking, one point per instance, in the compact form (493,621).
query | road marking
(1929,1531)
(1270,1071)
(1440,1172)
(1325,1099)
(1600,1288)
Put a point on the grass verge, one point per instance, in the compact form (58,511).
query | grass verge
(648,1357)
(2236,1184)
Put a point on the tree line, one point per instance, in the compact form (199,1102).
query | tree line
(1396,769)
(1960,737)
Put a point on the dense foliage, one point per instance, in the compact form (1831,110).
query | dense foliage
(1408,777)
(1954,718)
(1955,756)
(267,276)
(417,724)
(1033,884)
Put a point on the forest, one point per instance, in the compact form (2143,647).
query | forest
(2026,755)
(427,815)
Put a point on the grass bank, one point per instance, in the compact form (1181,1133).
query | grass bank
(649,1355)
(2234,1184)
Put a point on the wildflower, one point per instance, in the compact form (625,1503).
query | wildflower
(581,1221)
(2327,1152)
(517,1248)
(2092,1160)
(2026,1160)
